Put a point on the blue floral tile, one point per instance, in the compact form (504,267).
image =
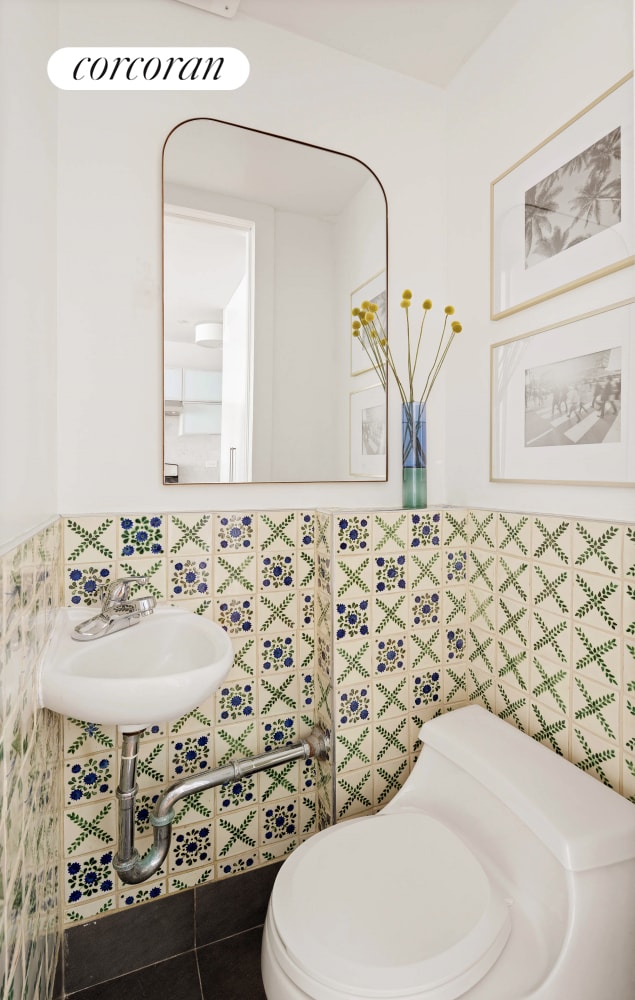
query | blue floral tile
(354,706)
(390,573)
(426,689)
(323,573)
(141,536)
(190,755)
(425,529)
(235,702)
(455,644)
(277,571)
(352,619)
(455,566)
(390,654)
(353,533)
(236,866)
(89,778)
(88,877)
(425,609)
(145,803)
(279,821)
(236,794)
(278,652)
(278,732)
(307,529)
(324,655)
(235,532)
(191,847)
(236,615)
(84,584)
(141,894)
(307,609)
(307,692)
(189,577)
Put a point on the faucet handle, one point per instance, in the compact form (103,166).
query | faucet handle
(118,591)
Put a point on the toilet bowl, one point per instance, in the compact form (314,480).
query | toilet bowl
(499,871)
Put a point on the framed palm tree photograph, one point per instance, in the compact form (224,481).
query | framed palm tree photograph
(563,214)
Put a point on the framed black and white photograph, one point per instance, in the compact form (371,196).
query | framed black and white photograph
(562,405)
(368,432)
(373,290)
(563,215)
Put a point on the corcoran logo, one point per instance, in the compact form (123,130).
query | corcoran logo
(112,68)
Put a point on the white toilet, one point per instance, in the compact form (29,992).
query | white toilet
(500,871)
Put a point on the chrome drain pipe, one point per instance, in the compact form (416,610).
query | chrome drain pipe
(128,863)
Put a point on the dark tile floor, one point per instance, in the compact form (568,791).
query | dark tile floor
(228,969)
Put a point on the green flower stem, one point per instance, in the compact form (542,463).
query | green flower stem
(428,386)
(424,399)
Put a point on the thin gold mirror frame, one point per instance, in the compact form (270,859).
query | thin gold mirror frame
(347,381)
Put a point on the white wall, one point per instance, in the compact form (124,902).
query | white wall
(110,242)
(28,320)
(544,64)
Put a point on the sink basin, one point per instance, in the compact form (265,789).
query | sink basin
(152,672)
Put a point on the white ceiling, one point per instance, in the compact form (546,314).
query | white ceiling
(426,39)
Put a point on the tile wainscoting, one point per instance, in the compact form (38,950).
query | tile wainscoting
(30,771)
(368,623)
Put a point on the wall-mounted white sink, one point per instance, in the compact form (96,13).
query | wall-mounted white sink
(153,672)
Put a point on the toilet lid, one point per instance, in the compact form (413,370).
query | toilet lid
(389,906)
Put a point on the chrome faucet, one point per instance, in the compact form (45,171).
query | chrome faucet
(118,610)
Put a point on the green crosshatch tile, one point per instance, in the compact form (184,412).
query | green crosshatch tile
(596,601)
(629,551)
(514,534)
(352,661)
(235,832)
(87,737)
(323,608)
(154,573)
(192,721)
(354,793)
(512,621)
(480,688)
(552,540)
(323,532)
(513,578)
(388,781)
(390,697)
(89,538)
(390,613)
(189,533)
(390,532)
(235,573)
(389,739)
(279,782)
(425,570)
(552,636)
(323,692)
(595,757)
(550,684)
(353,576)
(353,748)
(628,714)
(455,684)
(546,726)
(481,529)
(511,706)
(596,709)
(512,664)
(628,779)
(306,568)
(481,570)
(89,828)
(597,547)
(277,531)
(596,653)
(277,611)
(629,610)
(279,695)
(245,656)
(481,609)
(425,648)
(235,742)
(552,588)
(454,527)
(454,604)
(482,650)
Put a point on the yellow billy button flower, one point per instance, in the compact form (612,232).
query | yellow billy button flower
(355,333)
(405,304)
(373,307)
(449,310)
(365,305)
(356,324)
(407,294)
(369,317)
(355,311)
(456,326)
(427,304)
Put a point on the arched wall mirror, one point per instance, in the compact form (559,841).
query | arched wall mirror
(267,243)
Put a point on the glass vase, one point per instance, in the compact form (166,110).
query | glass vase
(413,431)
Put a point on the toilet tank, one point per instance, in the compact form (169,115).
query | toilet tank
(584,824)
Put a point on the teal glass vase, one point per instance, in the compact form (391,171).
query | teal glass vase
(414,445)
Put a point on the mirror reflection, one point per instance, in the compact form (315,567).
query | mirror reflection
(267,244)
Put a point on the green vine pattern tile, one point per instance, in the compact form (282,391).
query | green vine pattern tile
(391,697)
(154,571)
(454,605)
(90,539)
(425,570)
(480,689)
(513,621)
(81,738)
(235,573)
(390,531)
(596,601)
(597,547)
(390,614)
(279,782)
(551,540)
(481,529)
(354,793)
(514,578)
(551,637)
(596,708)
(512,706)
(425,648)
(512,664)
(277,611)
(514,534)
(596,757)
(388,779)
(454,528)
(277,531)
(278,694)
(236,832)
(189,534)
(481,609)
(482,650)
(596,654)
(481,570)
(549,727)
(549,684)
(353,661)
(629,552)
(89,828)
(390,739)
(354,748)
(552,588)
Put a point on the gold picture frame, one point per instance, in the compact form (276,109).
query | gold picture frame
(561,215)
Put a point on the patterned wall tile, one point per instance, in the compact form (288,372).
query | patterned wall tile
(596,654)
(514,534)
(390,531)
(549,727)
(596,600)
(141,535)
(595,756)
(352,533)
(597,708)
(234,532)
(512,705)
(481,529)
(424,529)
(90,538)
(353,577)
(552,540)
(597,547)
(189,534)
(455,528)
(482,650)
